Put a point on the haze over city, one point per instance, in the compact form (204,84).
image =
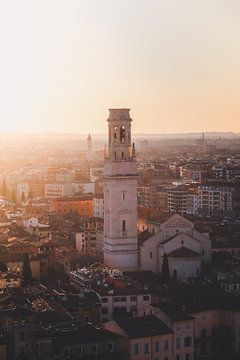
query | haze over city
(119,180)
(174,63)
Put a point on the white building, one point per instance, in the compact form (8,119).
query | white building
(84,187)
(56,190)
(120,194)
(98,207)
(120,300)
(80,241)
(185,247)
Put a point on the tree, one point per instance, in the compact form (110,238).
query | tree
(3,267)
(26,272)
(165,270)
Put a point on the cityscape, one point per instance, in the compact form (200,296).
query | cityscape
(120,225)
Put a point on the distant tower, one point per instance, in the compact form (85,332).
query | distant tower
(89,148)
(120,194)
(203,143)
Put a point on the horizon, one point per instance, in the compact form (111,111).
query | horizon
(175,64)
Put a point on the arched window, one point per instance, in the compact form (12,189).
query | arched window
(124,225)
(175,274)
(122,134)
(115,133)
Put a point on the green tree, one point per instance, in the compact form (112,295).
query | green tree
(26,272)
(165,270)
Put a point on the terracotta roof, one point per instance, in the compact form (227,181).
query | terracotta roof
(153,214)
(183,252)
(84,334)
(144,326)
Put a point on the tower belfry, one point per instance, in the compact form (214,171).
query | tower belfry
(120,194)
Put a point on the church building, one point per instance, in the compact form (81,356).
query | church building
(172,235)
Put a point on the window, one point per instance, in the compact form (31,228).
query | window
(115,133)
(175,274)
(145,298)
(203,333)
(150,255)
(133,298)
(187,357)
(104,311)
(116,299)
(136,350)
(166,345)
(67,353)
(80,351)
(177,343)
(104,300)
(122,134)
(124,225)
(157,347)
(123,299)
(187,341)
(111,347)
(146,348)
(95,349)
(178,357)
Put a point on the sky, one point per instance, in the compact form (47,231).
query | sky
(175,63)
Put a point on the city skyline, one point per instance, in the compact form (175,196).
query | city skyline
(175,64)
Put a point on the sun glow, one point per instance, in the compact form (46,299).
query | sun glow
(64,62)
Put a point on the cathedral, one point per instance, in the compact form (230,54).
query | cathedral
(132,242)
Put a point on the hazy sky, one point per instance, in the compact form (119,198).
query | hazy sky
(175,63)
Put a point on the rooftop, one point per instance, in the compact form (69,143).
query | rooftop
(183,252)
(144,326)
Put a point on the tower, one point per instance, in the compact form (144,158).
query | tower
(89,148)
(120,194)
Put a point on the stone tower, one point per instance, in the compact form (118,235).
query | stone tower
(120,194)
(89,148)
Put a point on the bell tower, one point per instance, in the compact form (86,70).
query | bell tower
(120,194)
